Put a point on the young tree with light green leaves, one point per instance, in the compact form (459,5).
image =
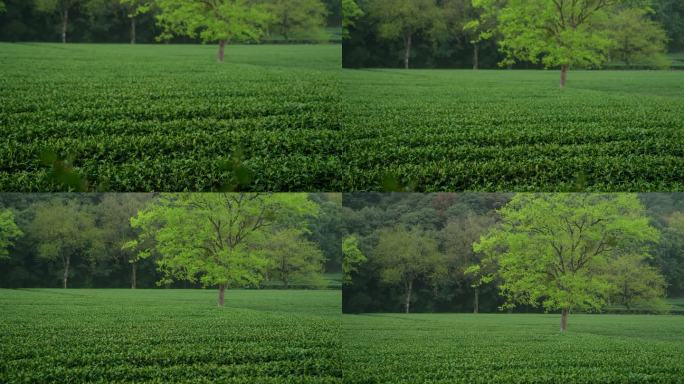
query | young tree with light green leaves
(218,239)
(557,33)
(222,21)
(63,228)
(293,258)
(637,39)
(302,19)
(350,13)
(352,258)
(560,250)
(405,255)
(402,19)
(8,232)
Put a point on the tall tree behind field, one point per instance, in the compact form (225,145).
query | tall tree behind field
(637,39)
(218,240)
(562,251)
(291,258)
(64,229)
(63,7)
(403,19)
(222,21)
(670,14)
(297,19)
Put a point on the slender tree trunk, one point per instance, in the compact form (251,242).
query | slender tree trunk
(476,304)
(222,50)
(65,277)
(407,53)
(564,320)
(134,270)
(564,75)
(132,30)
(286,282)
(65,22)
(408,295)
(476,56)
(221,295)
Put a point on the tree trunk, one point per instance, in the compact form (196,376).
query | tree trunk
(65,278)
(65,22)
(286,282)
(132,30)
(222,49)
(408,295)
(564,320)
(222,292)
(407,53)
(476,304)
(134,268)
(564,75)
(476,56)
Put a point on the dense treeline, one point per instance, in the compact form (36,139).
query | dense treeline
(138,240)
(488,33)
(124,21)
(442,241)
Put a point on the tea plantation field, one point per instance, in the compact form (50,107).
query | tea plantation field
(452,130)
(163,336)
(515,348)
(168,117)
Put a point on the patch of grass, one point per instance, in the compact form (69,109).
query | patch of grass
(164,336)
(500,348)
(454,130)
(168,117)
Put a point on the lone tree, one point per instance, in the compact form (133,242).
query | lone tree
(557,33)
(560,250)
(133,9)
(405,255)
(218,239)
(58,6)
(64,228)
(8,232)
(402,19)
(224,21)
(297,18)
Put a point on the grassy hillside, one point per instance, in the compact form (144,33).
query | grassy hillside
(144,336)
(502,348)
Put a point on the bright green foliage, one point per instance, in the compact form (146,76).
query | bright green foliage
(62,228)
(350,13)
(352,257)
(637,39)
(137,118)
(169,336)
(218,239)
(405,255)
(504,349)
(291,258)
(297,19)
(559,250)
(556,33)
(232,21)
(402,19)
(8,232)
(436,130)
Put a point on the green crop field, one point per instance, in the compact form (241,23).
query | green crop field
(168,117)
(163,336)
(451,130)
(517,348)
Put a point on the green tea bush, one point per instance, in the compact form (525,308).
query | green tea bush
(165,336)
